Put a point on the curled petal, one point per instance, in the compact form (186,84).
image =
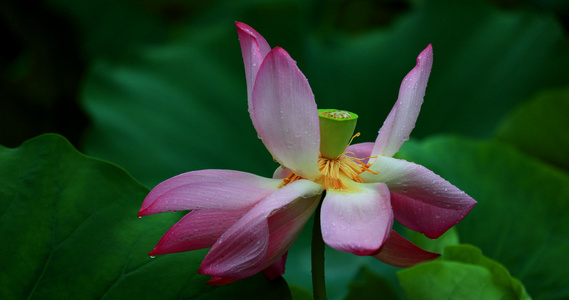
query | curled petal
(197,230)
(281,173)
(254,48)
(421,199)
(401,120)
(400,252)
(254,242)
(357,222)
(286,115)
(208,189)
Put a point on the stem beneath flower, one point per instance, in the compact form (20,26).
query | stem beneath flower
(317,255)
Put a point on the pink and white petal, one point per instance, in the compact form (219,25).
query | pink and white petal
(281,173)
(254,48)
(401,120)
(277,268)
(421,199)
(286,114)
(208,189)
(400,252)
(357,222)
(241,251)
(286,224)
(197,230)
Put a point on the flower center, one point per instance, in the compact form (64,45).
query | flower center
(338,169)
(338,173)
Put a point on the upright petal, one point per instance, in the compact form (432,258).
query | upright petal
(245,248)
(286,114)
(421,199)
(401,120)
(254,48)
(197,230)
(359,222)
(208,189)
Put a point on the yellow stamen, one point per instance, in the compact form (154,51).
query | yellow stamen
(336,173)
(290,178)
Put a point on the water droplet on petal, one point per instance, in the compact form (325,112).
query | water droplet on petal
(152,256)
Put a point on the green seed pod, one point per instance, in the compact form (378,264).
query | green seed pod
(336,130)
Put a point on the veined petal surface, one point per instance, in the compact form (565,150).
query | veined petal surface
(421,199)
(208,189)
(254,48)
(357,222)
(197,230)
(286,115)
(400,252)
(242,250)
(401,120)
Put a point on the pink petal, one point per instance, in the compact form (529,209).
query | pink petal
(281,173)
(286,114)
(361,151)
(197,230)
(400,252)
(421,199)
(247,247)
(254,48)
(208,189)
(401,120)
(357,222)
(218,280)
(276,269)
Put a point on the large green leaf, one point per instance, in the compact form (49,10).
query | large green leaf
(367,285)
(69,230)
(540,127)
(485,62)
(463,273)
(520,219)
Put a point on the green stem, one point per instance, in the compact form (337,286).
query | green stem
(317,251)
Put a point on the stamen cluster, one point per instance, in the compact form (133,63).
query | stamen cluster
(336,173)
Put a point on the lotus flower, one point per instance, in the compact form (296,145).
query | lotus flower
(250,221)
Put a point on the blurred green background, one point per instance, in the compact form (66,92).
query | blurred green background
(158,88)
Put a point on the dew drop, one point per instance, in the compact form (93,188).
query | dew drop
(152,256)
(140,217)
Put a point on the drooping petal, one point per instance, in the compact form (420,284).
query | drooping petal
(218,280)
(421,199)
(400,252)
(286,114)
(401,120)
(357,222)
(208,189)
(254,48)
(277,268)
(242,250)
(286,223)
(197,230)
